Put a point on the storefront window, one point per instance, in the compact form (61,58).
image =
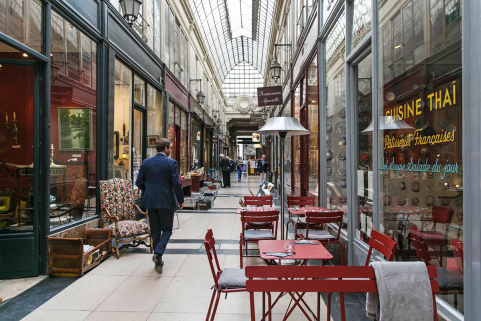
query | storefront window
(154,119)
(336,118)
(184,144)
(313,122)
(420,134)
(139,91)
(171,128)
(207,149)
(73,123)
(361,21)
(137,147)
(364,173)
(16,180)
(22,20)
(296,151)
(196,144)
(122,116)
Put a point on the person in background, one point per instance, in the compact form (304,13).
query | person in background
(225,168)
(262,165)
(240,168)
(162,194)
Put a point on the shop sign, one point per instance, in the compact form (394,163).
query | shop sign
(269,96)
(257,119)
(256,138)
(422,136)
(61,95)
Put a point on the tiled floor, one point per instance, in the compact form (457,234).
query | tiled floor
(130,289)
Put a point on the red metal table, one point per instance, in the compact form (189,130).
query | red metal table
(303,252)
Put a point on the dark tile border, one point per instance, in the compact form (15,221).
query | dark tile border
(26,302)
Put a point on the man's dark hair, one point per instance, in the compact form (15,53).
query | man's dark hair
(162,144)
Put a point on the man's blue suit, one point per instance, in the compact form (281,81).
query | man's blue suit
(162,190)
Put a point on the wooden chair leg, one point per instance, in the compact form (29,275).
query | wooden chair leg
(215,306)
(210,306)
(117,252)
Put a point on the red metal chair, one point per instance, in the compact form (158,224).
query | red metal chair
(258,201)
(225,281)
(302,279)
(255,235)
(320,219)
(441,215)
(298,201)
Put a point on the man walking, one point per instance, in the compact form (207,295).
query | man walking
(262,165)
(225,167)
(162,193)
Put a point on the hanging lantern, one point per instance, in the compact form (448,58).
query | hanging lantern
(130,9)
(275,70)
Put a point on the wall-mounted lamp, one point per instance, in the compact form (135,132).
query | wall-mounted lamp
(126,152)
(54,69)
(200,95)
(130,9)
(275,68)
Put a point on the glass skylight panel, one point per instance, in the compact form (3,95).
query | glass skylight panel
(235,31)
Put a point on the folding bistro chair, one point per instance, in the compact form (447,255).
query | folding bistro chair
(315,218)
(247,235)
(298,201)
(379,242)
(225,281)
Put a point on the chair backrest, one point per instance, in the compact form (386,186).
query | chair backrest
(209,244)
(270,216)
(300,201)
(117,197)
(383,244)
(258,200)
(340,279)
(442,214)
(317,218)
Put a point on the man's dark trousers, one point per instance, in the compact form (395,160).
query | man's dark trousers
(161,223)
(226,178)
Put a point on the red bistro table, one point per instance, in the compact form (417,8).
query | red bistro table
(304,252)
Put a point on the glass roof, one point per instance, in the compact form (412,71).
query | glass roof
(243,79)
(336,37)
(235,31)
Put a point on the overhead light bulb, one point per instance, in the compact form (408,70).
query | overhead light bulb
(399,46)
(24,54)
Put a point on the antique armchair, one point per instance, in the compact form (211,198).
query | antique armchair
(116,197)
(74,207)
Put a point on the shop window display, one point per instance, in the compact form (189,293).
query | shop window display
(364,131)
(196,144)
(73,123)
(122,121)
(184,144)
(336,119)
(296,149)
(420,134)
(313,126)
(154,119)
(137,148)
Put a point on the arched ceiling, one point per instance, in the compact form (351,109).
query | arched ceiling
(235,31)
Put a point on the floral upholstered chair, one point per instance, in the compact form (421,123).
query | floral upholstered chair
(116,197)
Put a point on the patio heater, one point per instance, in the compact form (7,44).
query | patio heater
(283,126)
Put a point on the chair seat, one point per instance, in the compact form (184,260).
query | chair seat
(130,228)
(322,235)
(450,279)
(232,279)
(433,237)
(258,235)
(259,224)
(303,220)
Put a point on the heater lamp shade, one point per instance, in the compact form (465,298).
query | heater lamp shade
(288,125)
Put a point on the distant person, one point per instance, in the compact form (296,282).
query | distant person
(162,193)
(262,166)
(240,168)
(225,167)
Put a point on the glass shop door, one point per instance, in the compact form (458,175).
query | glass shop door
(19,169)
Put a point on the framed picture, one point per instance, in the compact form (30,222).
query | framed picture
(152,140)
(116,144)
(75,129)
